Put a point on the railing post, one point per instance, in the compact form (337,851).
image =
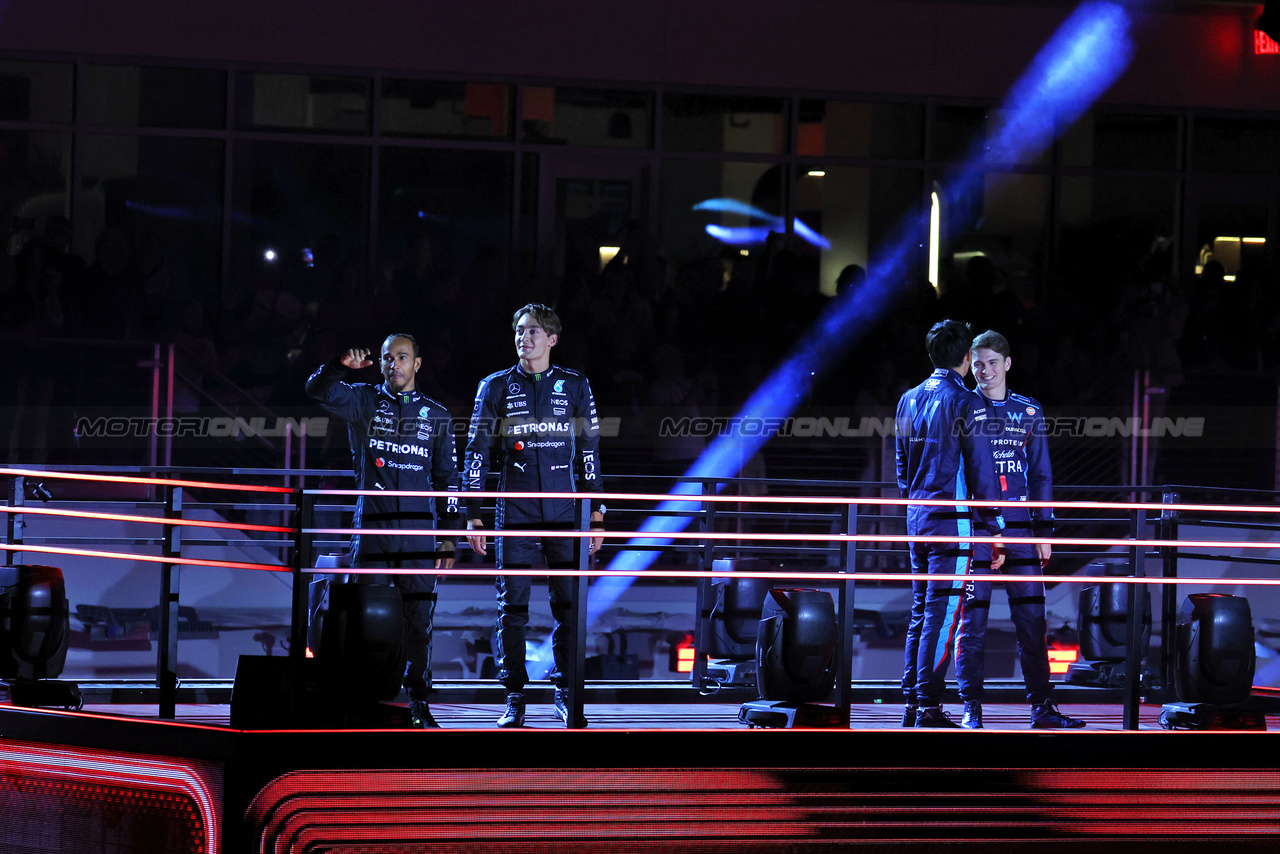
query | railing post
(13,521)
(170,584)
(304,517)
(168,410)
(1133,660)
(575,678)
(1168,592)
(703,598)
(849,566)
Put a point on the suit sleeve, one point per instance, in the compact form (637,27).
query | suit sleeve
(1039,474)
(587,458)
(444,473)
(482,435)
(901,438)
(336,397)
(974,424)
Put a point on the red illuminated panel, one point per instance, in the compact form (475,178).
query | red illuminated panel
(61,799)
(1262,43)
(1060,660)
(795,809)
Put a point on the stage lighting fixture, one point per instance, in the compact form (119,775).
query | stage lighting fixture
(1102,623)
(34,632)
(1213,665)
(795,660)
(733,622)
(362,646)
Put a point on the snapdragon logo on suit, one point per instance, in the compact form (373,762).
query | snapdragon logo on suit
(519,446)
(379,462)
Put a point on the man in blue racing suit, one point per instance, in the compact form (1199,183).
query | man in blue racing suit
(1019,448)
(536,424)
(400,440)
(940,456)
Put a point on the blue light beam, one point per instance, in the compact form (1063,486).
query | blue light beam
(1080,61)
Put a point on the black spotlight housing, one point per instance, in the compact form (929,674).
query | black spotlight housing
(1103,621)
(362,645)
(735,618)
(35,629)
(34,624)
(796,646)
(1213,652)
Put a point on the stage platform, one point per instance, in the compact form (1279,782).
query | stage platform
(643,777)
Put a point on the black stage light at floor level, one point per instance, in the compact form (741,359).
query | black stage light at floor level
(1102,623)
(733,622)
(359,660)
(1213,665)
(34,632)
(362,644)
(795,660)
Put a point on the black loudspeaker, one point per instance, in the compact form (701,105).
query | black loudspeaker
(736,615)
(1103,622)
(362,647)
(34,624)
(1213,649)
(796,646)
(270,694)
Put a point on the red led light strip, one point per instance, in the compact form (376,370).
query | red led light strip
(815,499)
(156,481)
(153,520)
(125,770)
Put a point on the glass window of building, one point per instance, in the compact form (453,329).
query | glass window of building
(1118,141)
(445,109)
(713,208)
(35,196)
(745,124)
(303,102)
(1236,146)
(608,118)
(161,197)
(300,230)
(881,130)
(35,91)
(961,132)
(1112,227)
(993,242)
(849,212)
(444,240)
(148,96)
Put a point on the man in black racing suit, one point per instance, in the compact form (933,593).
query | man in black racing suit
(536,423)
(400,440)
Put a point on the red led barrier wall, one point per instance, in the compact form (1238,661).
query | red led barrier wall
(757,810)
(85,801)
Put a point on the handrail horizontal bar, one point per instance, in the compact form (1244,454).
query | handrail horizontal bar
(149,520)
(153,481)
(184,561)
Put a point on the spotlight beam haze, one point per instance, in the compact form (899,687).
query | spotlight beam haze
(1080,61)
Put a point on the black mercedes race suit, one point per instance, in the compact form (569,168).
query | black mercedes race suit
(399,441)
(542,434)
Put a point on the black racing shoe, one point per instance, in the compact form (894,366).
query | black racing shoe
(909,715)
(514,715)
(420,715)
(972,716)
(1047,716)
(933,716)
(562,709)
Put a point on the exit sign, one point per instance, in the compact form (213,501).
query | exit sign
(1262,43)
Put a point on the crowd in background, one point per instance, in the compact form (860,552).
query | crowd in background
(653,336)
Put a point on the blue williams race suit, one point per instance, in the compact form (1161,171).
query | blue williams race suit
(399,441)
(1016,431)
(542,434)
(941,454)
